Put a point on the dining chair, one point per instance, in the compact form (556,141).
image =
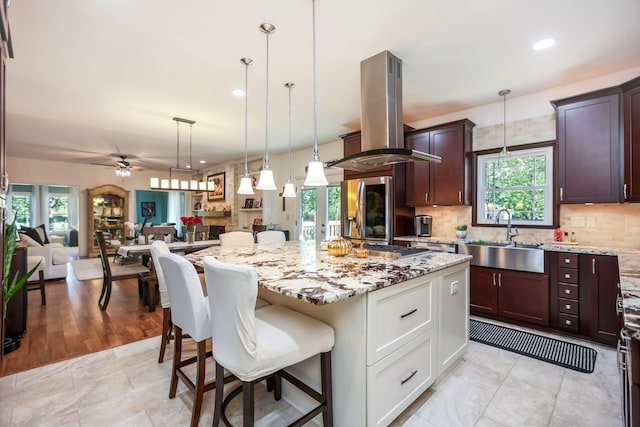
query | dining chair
(157,248)
(190,315)
(254,345)
(234,239)
(107,277)
(201,232)
(271,236)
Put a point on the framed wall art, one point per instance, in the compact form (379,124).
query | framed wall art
(218,180)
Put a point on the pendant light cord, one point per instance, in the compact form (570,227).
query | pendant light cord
(316,156)
(177,144)
(190,147)
(289,86)
(268,29)
(246,62)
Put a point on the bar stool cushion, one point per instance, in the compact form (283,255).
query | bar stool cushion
(236,239)
(159,247)
(271,236)
(261,342)
(189,310)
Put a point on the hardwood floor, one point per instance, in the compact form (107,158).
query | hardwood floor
(71,324)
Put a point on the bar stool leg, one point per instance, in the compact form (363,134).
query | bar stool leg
(247,404)
(177,356)
(217,411)
(325,372)
(199,385)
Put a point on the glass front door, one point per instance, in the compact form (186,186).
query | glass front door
(319,215)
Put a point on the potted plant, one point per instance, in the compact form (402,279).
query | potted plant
(11,285)
(461,231)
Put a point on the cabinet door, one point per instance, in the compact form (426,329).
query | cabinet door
(417,181)
(483,290)
(599,279)
(447,178)
(524,296)
(632,144)
(589,168)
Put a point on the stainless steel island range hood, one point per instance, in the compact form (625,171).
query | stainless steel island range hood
(381,107)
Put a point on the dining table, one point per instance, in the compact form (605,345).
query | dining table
(134,251)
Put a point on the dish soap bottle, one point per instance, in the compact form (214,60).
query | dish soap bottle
(573,237)
(557,235)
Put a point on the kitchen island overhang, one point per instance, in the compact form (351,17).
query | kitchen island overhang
(400,324)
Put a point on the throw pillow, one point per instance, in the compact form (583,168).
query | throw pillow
(31,237)
(40,231)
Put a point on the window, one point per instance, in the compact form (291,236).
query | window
(522,184)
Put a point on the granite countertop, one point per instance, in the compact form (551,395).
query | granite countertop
(301,271)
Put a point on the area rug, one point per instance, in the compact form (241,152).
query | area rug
(87,269)
(561,353)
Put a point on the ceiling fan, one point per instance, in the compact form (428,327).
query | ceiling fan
(122,166)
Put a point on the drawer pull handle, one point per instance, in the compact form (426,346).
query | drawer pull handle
(402,316)
(567,276)
(567,306)
(567,261)
(409,377)
(567,322)
(567,291)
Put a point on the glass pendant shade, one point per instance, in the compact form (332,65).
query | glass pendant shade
(245,186)
(315,175)
(289,190)
(266,181)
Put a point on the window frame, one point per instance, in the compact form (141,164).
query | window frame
(551,174)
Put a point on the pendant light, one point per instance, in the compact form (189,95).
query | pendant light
(266,182)
(504,154)
(315,170)
(289,188)
(245,182)
(172,183)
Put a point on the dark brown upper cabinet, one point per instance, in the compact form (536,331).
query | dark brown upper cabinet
(590,147)
(631,108)
(447,183)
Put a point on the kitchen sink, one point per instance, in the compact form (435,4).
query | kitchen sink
(510,256)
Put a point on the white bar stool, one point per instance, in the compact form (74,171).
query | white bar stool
(254,345)
(189,313)
(157,248)
(32,261)
(271,236)
(234,239)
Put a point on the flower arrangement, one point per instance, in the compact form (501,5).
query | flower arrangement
(190,222)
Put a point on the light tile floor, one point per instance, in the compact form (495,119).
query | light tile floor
(125,386)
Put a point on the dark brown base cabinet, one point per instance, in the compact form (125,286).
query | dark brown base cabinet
(510,294)
(583,291)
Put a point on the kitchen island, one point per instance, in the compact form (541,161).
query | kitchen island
(400,325)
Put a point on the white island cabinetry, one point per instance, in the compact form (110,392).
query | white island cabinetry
(377,350)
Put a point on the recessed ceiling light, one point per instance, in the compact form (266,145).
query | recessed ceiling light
(203,161)
(544,44)
(238,92)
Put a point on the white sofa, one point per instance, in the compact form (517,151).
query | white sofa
(56,258)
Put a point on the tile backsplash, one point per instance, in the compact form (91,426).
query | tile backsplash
(602,225)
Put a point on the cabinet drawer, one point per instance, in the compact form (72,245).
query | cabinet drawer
(567,291)
(568,306)
(568,322)
(568,260)
(397,314)
(398,379)
(568,275)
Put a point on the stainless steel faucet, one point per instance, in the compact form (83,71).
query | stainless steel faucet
(510,234)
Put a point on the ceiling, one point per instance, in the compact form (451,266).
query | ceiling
(92,78)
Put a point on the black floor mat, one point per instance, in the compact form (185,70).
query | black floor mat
(561,353)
